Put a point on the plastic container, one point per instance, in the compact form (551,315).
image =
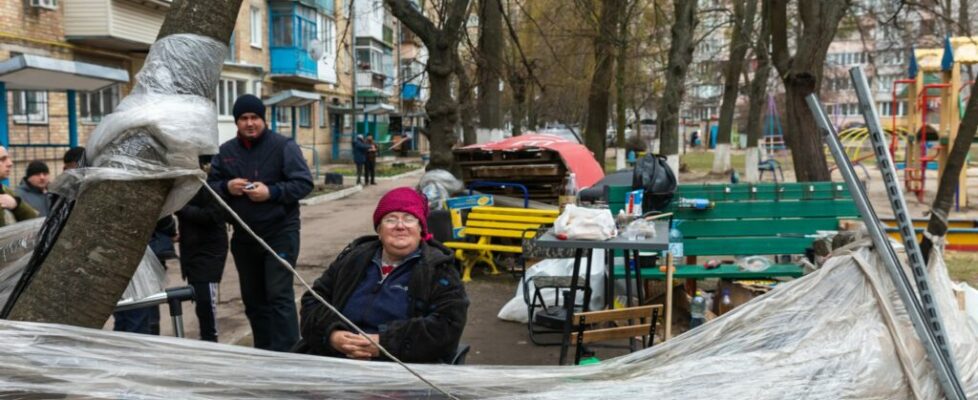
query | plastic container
(697,310)
(725,303)
(676,242)
(569,195)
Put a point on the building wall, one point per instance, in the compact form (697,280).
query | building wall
(87,17)
(134,22)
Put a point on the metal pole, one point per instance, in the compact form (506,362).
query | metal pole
(356,68)
(884,249)
(899,205)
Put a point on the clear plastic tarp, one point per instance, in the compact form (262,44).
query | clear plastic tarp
(838,333)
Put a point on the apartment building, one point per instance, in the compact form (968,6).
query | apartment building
(65,65)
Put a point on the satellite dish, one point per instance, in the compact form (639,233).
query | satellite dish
(315,49)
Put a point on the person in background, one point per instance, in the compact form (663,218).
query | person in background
(10,203)
(371,164)
(73,157)
(360,148)
(203,251)
(262,175)
(34,187)
(146,320)
(400,287)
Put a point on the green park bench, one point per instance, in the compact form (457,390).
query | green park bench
(749,219)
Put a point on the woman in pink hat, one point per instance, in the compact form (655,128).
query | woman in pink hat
(400,287)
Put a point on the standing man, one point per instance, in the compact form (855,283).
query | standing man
(9,202)
(262,175)
(203,250)
(34,188)
(360,148)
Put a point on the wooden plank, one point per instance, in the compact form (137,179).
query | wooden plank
(618,314)
(490,247)
(621,332)
(511,218)
(725,271)
(755,227)
(746,246)
(516,211)
(476,223)
(505,233)
(773,209)
(509,171)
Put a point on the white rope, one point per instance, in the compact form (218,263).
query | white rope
(317,296)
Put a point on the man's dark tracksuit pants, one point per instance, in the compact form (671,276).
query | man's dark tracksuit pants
(266,289)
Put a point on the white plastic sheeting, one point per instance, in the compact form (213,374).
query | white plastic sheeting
(183,125)
(838,333)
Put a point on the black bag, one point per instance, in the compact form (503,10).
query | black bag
(333,178)
(652,173)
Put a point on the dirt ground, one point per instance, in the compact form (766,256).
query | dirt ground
(328,227)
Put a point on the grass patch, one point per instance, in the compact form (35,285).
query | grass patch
(383,170)
(962,266)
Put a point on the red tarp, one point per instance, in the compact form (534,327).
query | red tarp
(576,157)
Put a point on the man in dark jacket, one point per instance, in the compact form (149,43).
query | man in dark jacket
(34,188)
(203,251)
(262,175)
(360,148)
(400,287)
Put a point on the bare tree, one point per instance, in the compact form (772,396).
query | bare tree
(442,45)
(758,95)
(466,103)
(604,60)
(743,25)
(84,274)
(680,57)
(801,74)
(490,64)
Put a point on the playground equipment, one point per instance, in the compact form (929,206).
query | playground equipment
(934,84)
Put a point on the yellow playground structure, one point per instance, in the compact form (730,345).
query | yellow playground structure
(934,94)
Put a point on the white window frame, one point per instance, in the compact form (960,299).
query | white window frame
(85,97)
(230,93)
(21,116)
(256,27)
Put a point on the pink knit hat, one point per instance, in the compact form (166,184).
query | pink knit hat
(404,199)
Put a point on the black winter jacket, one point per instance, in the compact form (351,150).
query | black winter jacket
(274,160)
(430,335)
(203,238)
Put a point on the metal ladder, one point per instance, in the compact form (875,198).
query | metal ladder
(923,312)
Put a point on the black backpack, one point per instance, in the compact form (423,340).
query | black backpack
(652,173)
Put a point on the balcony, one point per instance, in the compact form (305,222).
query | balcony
(293,29)
(125,25)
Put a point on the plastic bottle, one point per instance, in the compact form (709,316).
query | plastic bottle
(725,303)
(676,242)
(697,310)
(569,196)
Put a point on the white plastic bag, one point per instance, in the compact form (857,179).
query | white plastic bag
(516,309)
(585,223)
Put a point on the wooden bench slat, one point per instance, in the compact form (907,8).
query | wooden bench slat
(773,209)
(501,225)
(758,227)
(506,233)
(516,211)
(738,246)
(617,314)
(490,247)
(727,271)
(509,218)
(621,332)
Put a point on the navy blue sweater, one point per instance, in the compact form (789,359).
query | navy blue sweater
(274,160)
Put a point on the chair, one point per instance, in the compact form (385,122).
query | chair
(770,165)
(550,319)
(591,327)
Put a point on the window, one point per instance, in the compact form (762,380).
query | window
(282,30)
(305,116)
(256,27)
(230,56)
(227,92)
(29,106)
(283,115)
(323,112)
(93,106)
(256,88)
(326,35)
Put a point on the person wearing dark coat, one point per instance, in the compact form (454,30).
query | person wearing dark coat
(400,287)
(262,175)
(370,177)
(34,187)
(360,149)
(203,251)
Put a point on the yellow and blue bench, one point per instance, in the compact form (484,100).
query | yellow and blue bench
(491,229)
